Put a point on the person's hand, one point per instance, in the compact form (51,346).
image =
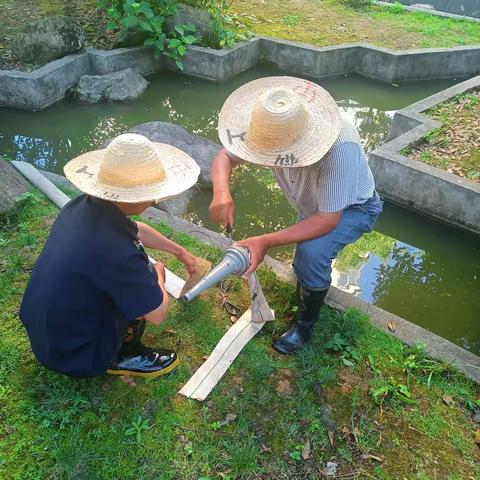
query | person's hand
(257,246)
(188,260)
(160,269)
(222,208)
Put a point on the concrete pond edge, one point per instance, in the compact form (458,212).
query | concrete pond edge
(49,84)
(420,187)
(437,347)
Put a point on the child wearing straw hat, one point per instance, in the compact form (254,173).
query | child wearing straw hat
(294,127)
(92,288)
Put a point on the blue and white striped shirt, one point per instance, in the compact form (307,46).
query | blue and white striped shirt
(340,179)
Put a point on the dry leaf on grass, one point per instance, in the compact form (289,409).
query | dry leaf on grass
(306,450)
(265,449)
(284,388)
(233,318)
(330,437)
(128,380)
(477,436)
(447,399)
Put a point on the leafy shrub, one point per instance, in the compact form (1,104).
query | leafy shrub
(397,7)
(149,16)
(357,3)
(227,30)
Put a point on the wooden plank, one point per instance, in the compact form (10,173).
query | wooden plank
(230,345)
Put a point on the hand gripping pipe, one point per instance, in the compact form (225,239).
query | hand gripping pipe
(236,261)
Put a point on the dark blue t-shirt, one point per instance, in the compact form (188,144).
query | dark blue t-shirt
(92,268)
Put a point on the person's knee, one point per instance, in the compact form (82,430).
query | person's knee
(312,268)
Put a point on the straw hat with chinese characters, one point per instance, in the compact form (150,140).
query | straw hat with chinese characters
(279,122)
(132,169)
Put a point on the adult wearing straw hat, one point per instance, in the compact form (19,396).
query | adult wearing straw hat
(92,287)
(294,127)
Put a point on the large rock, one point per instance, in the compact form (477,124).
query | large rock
(123,86)
(45,40)
(130,37)
(12,184)
(185,14)
(201,149)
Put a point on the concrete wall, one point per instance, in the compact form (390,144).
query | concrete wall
(47,85)
(416,185)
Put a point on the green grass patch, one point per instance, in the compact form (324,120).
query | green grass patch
(455,146)
(331,22)
(270,417)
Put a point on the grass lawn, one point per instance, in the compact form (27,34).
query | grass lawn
(357,397)
(328,22)
(455,146)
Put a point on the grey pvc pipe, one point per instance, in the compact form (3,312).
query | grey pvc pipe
(42,183)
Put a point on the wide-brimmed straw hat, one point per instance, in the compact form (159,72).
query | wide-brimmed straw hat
(279,122)
(132,169)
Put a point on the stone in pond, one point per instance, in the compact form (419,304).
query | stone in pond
(201,149)
(200,19)
(12,185)
(123,86)
(45,40)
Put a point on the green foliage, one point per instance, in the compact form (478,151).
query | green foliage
(291,19)
(397,8)
(138,426)
(227,30)
(357,3)
(149,16)
(391,389)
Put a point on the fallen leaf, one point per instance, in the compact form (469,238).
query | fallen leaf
(477,436)
(367,456)
(306,449)
(265,449)
(346,388)
(233,318)
(284,387)
(128,380)
(391,325)
(330,437)
(170,331)
(447,399)
(229,418)
(205,357)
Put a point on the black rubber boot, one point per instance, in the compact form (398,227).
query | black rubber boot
(310,302)
(148,363)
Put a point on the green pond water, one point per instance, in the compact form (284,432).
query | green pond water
(411,266)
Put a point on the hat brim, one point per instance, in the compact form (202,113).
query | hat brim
(321,132)
(181,173)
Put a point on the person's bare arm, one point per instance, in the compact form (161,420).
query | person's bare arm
(319,224)
(222,208)
(158,315)
(153,239)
